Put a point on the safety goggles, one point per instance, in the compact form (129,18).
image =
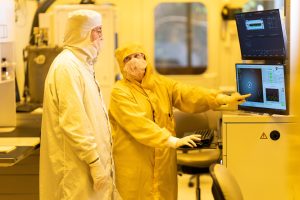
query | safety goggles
(135,55)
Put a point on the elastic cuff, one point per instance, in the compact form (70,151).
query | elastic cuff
(172,141)
(221,99)
(92,156)
(214,92)
(94,161)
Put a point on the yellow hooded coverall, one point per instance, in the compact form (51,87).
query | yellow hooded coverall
(141,115)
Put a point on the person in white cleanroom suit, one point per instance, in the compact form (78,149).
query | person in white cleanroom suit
(75,157)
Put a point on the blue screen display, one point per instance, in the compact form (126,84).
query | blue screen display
(261,35)
(266,84)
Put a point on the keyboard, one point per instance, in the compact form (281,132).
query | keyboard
(207,136)
(27,107)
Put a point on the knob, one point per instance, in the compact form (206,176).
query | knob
(274,135)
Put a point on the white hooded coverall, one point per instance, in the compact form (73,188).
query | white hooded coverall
(75,127)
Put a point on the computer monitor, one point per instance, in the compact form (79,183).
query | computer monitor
(261,35)
(267,85)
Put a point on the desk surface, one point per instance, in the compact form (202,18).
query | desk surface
(25,137)
(199,157)
(28,125)
(240,117)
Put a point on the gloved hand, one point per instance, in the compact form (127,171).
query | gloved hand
(235,98)
(100,179)
(188,140)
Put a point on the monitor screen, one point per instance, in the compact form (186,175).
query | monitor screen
(261,35)
(266,83)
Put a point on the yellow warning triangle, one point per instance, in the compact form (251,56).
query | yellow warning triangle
(263,136)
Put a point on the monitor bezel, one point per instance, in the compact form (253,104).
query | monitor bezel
(270,111)
(264,57)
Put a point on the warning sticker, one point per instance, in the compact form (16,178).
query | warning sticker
(263,136)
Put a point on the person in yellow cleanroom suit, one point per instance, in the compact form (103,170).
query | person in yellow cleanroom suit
(144,142)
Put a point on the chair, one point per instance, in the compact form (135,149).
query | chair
(196,162)
(224,186)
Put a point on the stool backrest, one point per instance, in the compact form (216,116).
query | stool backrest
(225,186)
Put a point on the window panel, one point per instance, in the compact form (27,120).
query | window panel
(180,38)
(256,5)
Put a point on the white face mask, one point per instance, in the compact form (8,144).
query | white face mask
(135,68)
(98,44)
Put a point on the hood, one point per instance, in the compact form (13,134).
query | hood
(78,33)
(123,52)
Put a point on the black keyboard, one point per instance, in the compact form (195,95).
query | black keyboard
(207,136)
(27,107)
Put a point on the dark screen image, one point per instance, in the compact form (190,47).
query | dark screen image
(261,35)
(250,81)
(272,94)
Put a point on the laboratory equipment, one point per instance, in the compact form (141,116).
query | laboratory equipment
(38,60)
(259,162)
(8,96)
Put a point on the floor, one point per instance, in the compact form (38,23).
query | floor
(189,193)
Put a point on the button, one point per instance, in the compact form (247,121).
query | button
(274,135)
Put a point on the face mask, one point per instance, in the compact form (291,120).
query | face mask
(93,49)
(98,44)
(135,68)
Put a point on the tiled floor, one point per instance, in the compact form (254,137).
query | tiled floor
(187,193)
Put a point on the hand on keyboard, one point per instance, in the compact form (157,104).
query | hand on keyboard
(207,136)
(189,141)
